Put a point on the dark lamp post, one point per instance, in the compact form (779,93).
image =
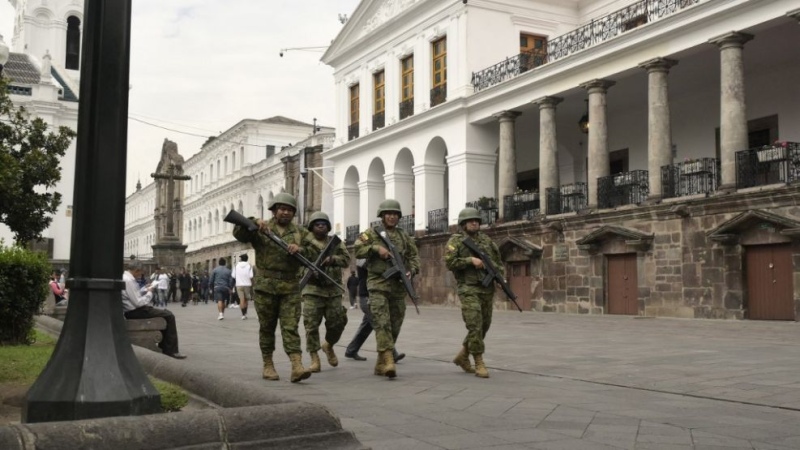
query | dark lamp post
(93,371)
(583,124)
(4,53)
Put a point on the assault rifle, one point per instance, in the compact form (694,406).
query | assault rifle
(491,272)
(398,267)
(333,244)
(237,219)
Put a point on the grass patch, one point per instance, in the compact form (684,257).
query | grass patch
(22,364)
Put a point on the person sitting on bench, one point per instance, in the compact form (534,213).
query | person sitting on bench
(137,305)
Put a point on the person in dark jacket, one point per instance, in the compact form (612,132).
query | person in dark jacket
(352,288)
(185,285)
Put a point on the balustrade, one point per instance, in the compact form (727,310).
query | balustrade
(779,163)
(524,205)
(566,198)
(698,176)
(438,221)
(626,188)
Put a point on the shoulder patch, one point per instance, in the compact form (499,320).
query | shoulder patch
(451,247)
(364,237)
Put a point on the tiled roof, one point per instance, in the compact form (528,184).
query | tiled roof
(280,120)
(20,69)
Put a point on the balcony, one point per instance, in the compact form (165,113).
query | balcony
(566,198)
(407,223)
(406,108)
(351,234)
(595,32)
(488,209)
(629,188)
(698,176)
(437,221)
(378,120)
(439,95)
(521,206)
(352,131)
(761,166)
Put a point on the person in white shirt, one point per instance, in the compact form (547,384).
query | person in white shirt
(163,285)
(136,304)
(243,275)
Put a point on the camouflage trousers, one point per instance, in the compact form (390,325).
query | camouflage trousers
(388,312)
(270,309)
(476,310)
(315,308)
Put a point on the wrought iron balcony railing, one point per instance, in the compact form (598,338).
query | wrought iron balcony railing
(406,108)
(760,166)
(488,208)
(352,131)
(407,223)
(522,206)
(439,95)
(437,221)
(699,176)
(629,188)
(351,234)
(598,30)
(378,120)
(566,198)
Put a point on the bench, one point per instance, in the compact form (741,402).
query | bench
(142,332)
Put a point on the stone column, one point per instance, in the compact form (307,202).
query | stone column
(659,131)
(733,117)
(431,193)
(598,136)
(400,186)
(507,160)
(371,194)
(548,148)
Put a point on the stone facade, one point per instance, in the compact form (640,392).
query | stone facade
(690,256)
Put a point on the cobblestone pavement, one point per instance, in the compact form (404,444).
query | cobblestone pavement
(557,381)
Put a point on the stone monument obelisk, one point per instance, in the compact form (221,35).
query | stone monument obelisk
(169,251)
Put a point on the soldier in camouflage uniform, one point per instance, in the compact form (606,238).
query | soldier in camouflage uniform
(387,297)
(321,299)
(476,300)
(277,283)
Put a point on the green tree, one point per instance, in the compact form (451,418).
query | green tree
(29,169)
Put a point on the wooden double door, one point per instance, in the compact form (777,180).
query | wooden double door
(622,285)
(770,290)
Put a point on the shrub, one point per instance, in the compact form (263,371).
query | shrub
(24,278)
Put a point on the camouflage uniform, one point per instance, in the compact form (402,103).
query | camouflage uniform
(322,299)
(476,300)
(387,298)
(276,285)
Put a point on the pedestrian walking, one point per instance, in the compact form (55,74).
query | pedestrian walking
(365,327)
(185,285)
(321,299)
(204,287)
(243,276)
(277,285)
(163,288)
(220,284)
(352,288)
(476,299)
(387,299)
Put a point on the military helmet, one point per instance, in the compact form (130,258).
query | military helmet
(316,217)
(387,205)
(284,199)
(467,214)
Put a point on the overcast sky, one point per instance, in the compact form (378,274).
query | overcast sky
(201,66)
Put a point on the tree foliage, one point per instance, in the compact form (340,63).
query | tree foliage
(30,158)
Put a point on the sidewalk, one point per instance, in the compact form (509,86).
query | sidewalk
(557,381)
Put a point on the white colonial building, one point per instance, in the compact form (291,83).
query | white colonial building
(43,70)
(242,169)
(634,140)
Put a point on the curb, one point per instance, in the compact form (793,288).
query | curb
(245,418)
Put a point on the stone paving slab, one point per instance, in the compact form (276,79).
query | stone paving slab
(557,381)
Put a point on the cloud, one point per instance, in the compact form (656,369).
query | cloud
(201,66)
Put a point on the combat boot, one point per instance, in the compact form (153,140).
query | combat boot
(315,364)
(299,372)
(388,360)
(380,367)
(480,367)
(332,359)
(462,360)
(269,372)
